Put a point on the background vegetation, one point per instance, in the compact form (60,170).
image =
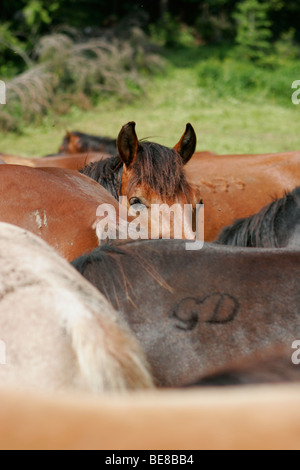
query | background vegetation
(227,66)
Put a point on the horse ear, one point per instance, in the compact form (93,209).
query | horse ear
(128,144)
(69,135)
(187,145)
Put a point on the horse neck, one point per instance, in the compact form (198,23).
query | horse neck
(259,230)
(94,145)
(108,173)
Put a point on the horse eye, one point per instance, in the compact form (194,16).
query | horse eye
(135,201)
(136,206)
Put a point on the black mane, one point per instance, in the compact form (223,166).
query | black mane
(269,228)
(107,173)
(93,143)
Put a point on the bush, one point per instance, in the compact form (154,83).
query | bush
(71,70)
(248,81)
(170,32)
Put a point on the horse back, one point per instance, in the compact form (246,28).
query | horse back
(59,205)
(238,186)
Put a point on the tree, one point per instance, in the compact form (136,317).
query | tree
(163,7)
(253,29)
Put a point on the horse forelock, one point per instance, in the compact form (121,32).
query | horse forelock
(157,167)
(161,169)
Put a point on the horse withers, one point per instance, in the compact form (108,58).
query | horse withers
(78,142)
(194,311)
(60,332)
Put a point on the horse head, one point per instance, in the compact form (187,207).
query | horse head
(71,143)
(154,182)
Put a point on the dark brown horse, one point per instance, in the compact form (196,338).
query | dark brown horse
(148,173)
(193,311)
(78,142)
(269,365)
(276,225)
(58,205)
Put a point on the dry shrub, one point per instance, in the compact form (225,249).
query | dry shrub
(72,70)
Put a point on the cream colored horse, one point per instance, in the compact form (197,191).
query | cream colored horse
(56,331)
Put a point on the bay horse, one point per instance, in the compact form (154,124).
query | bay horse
(55,204)
(149,174)
(60,332)
(79,142)
(241,418)
(276,225)
(193,311)
(237,186)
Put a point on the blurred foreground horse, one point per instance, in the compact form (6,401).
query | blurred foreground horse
(59,332)
(255,417)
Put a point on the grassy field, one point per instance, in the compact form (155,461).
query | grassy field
(223,123)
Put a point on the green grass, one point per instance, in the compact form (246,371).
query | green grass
(225,121)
